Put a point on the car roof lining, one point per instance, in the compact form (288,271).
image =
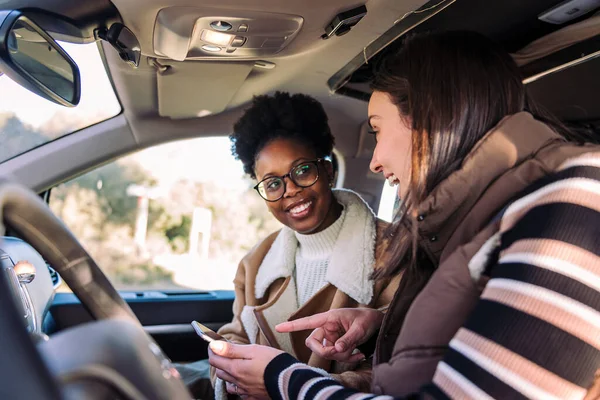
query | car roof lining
(306,66)
(555,49)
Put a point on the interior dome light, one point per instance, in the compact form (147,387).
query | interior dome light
(218,38)
(211,48)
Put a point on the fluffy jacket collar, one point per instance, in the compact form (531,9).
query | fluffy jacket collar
(353,257)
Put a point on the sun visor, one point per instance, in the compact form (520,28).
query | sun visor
(196,89)
(558,40)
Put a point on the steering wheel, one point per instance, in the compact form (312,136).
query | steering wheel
(112,355)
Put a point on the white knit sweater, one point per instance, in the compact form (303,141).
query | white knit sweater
(312,259)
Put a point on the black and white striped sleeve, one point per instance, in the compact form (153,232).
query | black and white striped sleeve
(287,378)
(535,332)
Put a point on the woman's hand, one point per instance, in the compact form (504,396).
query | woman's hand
(337,332)
(242,367)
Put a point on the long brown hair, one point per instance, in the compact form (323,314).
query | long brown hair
(453,87)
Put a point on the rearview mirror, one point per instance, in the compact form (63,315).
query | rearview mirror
(30,57)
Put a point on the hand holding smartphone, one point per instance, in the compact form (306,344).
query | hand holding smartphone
(206,333)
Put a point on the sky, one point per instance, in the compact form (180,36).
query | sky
(198,160)
(98,100)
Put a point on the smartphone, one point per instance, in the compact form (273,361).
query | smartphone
(206,333)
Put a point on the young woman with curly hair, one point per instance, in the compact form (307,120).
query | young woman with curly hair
(325,255)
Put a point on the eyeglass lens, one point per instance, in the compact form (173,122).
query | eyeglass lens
(303,175)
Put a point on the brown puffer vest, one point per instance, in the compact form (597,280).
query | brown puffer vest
(454,224)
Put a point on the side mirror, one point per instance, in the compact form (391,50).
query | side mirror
(30,57)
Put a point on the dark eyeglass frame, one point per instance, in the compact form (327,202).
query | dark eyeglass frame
(290,175)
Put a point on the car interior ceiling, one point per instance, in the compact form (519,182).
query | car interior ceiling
(571,93)
(156,115)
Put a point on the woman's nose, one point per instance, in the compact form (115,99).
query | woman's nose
(374,165)
(291,189)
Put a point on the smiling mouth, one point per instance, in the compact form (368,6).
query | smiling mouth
(393,180)
(300,209)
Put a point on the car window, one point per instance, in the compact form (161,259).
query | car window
(388,202)
(27,120)
(176,216)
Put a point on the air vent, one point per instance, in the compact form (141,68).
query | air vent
(54,275)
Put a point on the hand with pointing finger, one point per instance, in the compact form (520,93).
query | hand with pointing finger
(337,333)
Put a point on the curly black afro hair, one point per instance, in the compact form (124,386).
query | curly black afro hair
(297,117)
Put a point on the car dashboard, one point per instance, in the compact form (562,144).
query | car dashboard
(33,297)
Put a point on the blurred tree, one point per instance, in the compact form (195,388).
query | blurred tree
(17,137)
(100,213)
(110,183)
(179,234)
(239,221)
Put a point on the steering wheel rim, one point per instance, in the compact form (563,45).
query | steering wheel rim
(58,246)
(19,207)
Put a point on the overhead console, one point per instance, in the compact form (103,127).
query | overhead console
(198,33)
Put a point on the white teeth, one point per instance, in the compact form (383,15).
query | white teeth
(392,180)
(300,208)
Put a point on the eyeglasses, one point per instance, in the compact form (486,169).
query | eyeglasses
(303,175)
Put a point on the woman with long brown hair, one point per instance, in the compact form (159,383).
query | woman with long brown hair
(497,243)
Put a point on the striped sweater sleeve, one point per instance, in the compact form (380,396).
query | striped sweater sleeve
(535,333)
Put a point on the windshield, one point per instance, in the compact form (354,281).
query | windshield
(28,121)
